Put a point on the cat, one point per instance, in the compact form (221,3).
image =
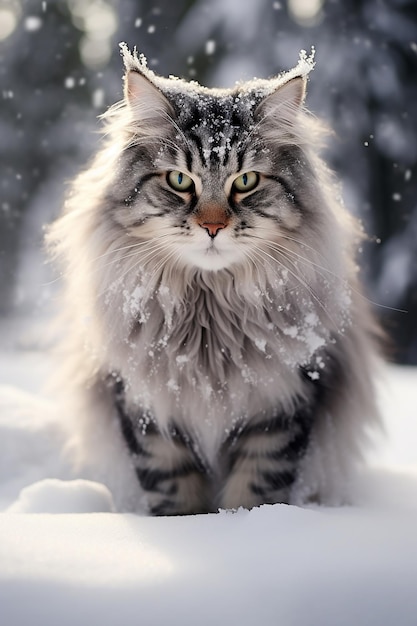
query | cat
(216,329)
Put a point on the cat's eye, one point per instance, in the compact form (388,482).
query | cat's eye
(180,181)
(246,182)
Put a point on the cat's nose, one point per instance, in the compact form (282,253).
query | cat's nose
(213,229)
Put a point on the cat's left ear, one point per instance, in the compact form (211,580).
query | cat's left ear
(284,103)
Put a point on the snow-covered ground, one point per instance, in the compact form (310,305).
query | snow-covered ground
(66,557)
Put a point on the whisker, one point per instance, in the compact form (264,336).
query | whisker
(301,243)
(137,244)
(344,281)
(278,247)
(302,283)
(141,261)
(148,251)
(137,247)
(253,254)
(158,268)
(266,260)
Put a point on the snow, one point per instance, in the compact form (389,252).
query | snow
(244,568)
(69,82)
(32,23)
(98,98)
(66,557)
(210,46)
(56,496)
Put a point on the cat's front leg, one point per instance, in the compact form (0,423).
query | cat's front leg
(262,461)
(174,480)
(173,477)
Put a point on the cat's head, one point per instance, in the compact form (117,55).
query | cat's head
(213,177)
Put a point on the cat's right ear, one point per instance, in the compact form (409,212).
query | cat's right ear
(284,103)
(147,103)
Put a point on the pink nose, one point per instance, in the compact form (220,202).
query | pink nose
(213,229)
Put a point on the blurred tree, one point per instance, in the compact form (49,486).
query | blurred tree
(42,122)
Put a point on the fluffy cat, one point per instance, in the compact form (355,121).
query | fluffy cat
(216,331)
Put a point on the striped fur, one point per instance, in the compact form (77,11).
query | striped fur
(235,359)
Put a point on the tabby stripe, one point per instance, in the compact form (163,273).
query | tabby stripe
(279,480)
(273,425)
(240,158)
(151,201)
(189,159)
(129,435)
(276,481)
(199,145)
(162,508)
(289,191)
(151,478)
(261,213)
(130,198)
(127,425)
(291,451)
(294,450)
(192,120)
(257,490)
(192,204)
(237,455)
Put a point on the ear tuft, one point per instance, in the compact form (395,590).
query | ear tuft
(131,60)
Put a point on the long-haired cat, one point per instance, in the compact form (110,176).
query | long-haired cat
(218,339)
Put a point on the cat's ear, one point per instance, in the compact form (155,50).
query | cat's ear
(284,103)
(148,104)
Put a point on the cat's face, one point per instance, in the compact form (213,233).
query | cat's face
(214,178)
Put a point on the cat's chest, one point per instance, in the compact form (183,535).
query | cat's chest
(212,345)
(212,332)
(212,342)
(210,361)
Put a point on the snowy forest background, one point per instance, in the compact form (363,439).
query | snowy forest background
(60,68)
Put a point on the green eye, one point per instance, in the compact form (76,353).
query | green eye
(179,181)
(246,182)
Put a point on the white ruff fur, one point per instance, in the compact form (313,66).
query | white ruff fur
(209,332)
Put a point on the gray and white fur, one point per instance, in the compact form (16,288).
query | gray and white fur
(217,343)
